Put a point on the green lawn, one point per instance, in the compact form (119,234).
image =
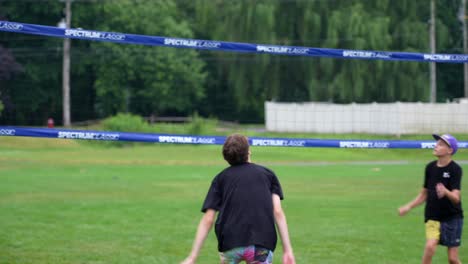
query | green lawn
(62,201)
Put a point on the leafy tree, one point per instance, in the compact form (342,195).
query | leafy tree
(30,96)
(450,83)
(241,82)
(8,67)
(385,25)
(105,78)
(108,78)
(141,79)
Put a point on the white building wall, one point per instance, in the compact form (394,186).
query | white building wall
(375,118)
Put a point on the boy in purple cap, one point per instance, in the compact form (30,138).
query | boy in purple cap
(441,192)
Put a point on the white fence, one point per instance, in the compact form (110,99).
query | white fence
(376,118)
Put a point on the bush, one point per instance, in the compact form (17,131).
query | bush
(125,123)
(136,124)
(201,126)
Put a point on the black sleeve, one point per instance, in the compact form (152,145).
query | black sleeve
(426,174)
(275,185)
(455,180)
(213,198)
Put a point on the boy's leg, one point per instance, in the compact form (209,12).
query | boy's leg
(432,240)
(452,253)
(429,250)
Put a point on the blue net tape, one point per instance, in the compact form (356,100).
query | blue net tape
(227,46)
(213,140)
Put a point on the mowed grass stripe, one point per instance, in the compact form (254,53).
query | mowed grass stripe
(54,211)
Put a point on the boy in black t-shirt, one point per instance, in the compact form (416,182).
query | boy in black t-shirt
(441,192)
(247,198)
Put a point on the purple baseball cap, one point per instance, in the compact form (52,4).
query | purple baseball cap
(449,140)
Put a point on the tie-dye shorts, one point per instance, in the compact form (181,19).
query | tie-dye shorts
(250,254)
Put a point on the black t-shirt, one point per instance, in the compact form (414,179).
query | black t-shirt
(442,209)
(243,196)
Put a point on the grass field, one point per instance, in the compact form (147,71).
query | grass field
(63,201)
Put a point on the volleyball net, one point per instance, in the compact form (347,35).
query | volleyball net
(122,38)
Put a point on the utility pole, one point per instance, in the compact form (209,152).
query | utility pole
(66,68)
(462,17)
(432,36)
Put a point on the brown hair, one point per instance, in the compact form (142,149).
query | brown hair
(236,149)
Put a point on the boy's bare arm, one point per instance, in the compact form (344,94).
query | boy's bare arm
(202,232)
(421,198)
(280,218)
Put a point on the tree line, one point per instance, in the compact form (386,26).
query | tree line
(108,78)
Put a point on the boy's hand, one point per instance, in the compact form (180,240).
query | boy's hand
(403,210)
(288,258)
(441,190)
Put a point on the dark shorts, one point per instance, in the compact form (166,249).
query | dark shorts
(451,232)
